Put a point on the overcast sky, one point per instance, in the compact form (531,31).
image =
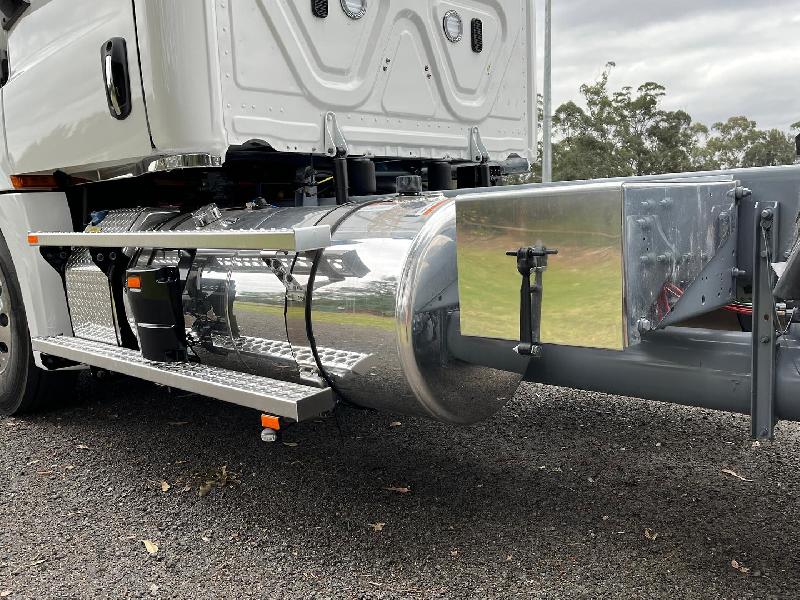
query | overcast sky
(717,58)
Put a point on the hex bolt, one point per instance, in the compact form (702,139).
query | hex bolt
(646,259)
(765,339)
(666,202)
(767,214)
(112,256)
(664,258)
(738,272)
(742,192)
(644,325)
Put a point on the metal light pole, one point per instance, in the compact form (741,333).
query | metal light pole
(547,143)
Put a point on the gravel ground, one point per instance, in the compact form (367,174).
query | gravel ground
(564,494)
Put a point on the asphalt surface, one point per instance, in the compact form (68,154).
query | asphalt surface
(563,495)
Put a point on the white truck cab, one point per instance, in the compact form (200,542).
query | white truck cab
(392,78)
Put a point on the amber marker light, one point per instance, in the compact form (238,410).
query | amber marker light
(134,282)
(34,182)
(269,422)
(33,239)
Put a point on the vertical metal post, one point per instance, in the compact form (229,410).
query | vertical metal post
(547,142)
(340,179)
(762,391)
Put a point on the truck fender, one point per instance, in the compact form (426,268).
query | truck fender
(41,286)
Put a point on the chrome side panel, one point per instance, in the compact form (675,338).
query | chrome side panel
(632,256)
(582,300)
(41,286)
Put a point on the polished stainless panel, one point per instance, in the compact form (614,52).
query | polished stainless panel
(680,251)
(91,306)
(582,299)
(398,307)
(250,293)
(279,398)
(290,240)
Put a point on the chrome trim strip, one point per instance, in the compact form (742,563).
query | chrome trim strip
(300,239)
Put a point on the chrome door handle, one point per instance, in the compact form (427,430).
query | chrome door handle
(116,77)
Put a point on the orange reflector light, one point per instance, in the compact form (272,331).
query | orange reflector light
(34,182)
(268,422)
(33,239)
(134,282)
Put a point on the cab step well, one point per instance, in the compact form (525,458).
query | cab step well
(271,396)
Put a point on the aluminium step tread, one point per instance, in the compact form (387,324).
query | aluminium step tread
(300,239)
(339,362)
(279,398)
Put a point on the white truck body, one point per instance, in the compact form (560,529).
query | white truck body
(209,75)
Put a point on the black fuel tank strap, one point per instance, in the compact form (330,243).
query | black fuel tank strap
(347,210)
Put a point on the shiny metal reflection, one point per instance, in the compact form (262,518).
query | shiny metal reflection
(583,285)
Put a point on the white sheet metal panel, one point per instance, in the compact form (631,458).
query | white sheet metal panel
(398,86)
(217,73)
(180,71)
(55,103)
(40,284)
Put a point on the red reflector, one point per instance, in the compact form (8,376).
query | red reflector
(134,282)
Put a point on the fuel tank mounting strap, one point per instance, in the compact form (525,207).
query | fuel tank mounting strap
(350,210)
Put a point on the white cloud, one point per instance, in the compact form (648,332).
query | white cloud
(717,58)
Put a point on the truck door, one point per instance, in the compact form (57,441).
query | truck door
(73,100)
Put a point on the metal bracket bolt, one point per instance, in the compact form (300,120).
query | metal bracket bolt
(644,325)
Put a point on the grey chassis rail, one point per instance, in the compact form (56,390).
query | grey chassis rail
(290,240)
(754,373)
(693,367)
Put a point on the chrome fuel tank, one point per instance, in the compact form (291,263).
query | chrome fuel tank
(399,311)
(370,315)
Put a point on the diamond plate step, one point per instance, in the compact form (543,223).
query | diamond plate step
(279,398)
(338,362)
